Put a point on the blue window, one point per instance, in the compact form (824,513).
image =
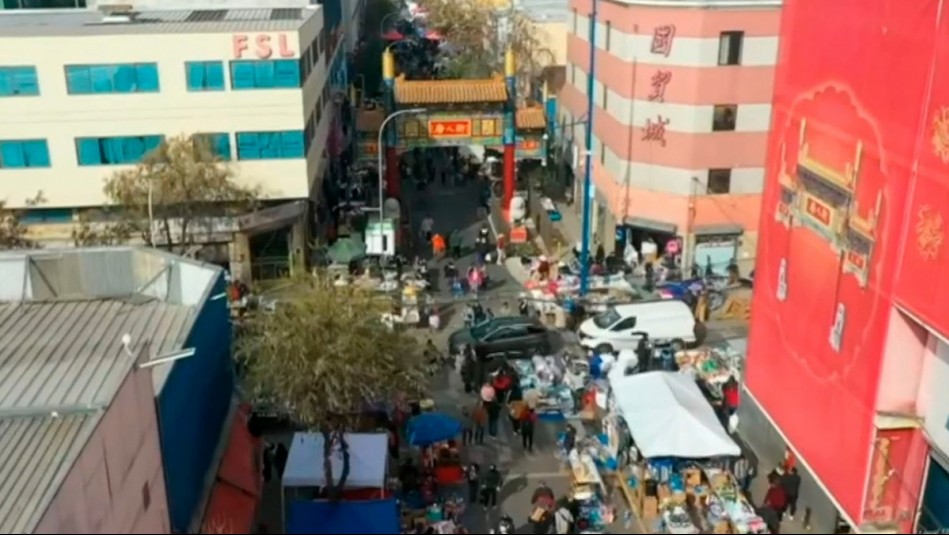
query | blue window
(18,82)
(115,150)
(205,75)
(270,145)
(38,216)
(220,144)
(118,78)
(23,153)
(265,74)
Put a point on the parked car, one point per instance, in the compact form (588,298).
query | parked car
(513,336)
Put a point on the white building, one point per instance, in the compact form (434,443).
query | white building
(83,93)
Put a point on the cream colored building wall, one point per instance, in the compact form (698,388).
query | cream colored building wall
(60,118)
(553,37)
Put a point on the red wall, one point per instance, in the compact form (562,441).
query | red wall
(857,71)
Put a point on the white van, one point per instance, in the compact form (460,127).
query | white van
(622,326)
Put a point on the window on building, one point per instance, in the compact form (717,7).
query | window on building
(724,117)
(306,66)
(42,4)
(23,153)
(309,133)
(729,48)
(117,78)
(573,74)
(719,181)
(219,143)
(602,153)
(40,216)
(18,82)
(270,145)
(608,36)
(319,109)
(118,150)
(265,74)
(606,97)
(573,22)
(205,75)
(146,497)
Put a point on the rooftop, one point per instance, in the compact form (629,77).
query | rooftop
(63,315)
(90,22)
(491,90)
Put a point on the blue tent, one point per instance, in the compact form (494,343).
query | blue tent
(431,427)
(343,518)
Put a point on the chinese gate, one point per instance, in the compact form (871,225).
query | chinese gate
(457,113)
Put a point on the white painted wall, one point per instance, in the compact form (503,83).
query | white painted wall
(60,118)
(686,51)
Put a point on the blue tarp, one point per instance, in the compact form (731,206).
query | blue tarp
(343,518)
(432,427)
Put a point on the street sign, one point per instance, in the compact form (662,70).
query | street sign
(451,128)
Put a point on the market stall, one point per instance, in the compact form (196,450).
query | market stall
(589,491)
(304,485)
(678,457)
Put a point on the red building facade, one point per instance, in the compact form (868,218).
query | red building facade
(851,306)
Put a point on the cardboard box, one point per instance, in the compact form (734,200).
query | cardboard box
(650,507)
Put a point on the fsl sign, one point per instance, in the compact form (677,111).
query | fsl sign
(261,46)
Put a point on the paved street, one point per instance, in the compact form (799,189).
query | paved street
(456,207)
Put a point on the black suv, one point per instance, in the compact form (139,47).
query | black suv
(510,337)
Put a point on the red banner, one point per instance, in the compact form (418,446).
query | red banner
(815,350)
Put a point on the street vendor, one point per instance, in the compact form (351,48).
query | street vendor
(543,496)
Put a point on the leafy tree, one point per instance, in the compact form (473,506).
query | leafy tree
(472,28)
(13,235)
(323,355)
(191,189)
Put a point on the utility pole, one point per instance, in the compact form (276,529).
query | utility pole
(588,160)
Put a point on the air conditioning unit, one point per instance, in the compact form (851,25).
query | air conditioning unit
(117,13)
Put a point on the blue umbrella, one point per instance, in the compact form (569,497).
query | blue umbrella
(432,427)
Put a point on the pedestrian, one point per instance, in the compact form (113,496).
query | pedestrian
(438,245)
(427,227)
(494,413)
(528,422)
(791,483)
(282,453)
(467,427)
(479,418)
(455,243)
(501,244)
(434,320)
(516,412)
(744,473)
(776,498)
(490,486)
(730,396)
(563,520)
(473,476)
(505,309)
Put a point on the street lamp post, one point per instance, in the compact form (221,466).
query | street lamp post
(380,153)
(151,215)
(588,159)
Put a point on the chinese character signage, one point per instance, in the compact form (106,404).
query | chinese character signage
(662,38)
(929,232)
(659,81)
(451,128)
(940,138)
(655,130)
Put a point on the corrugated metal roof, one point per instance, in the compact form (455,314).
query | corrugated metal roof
(62,359)
(33,463)
(80,23)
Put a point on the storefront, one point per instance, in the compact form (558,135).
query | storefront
(716,247)
(934,513)
(649,238)
(934,506)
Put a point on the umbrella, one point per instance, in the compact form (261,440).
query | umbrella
(432,35)
(393,35)
(345,250)
(432,427)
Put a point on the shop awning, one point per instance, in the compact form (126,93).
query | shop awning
(232,507)
(368,455)
(668,416)
(718,230)
(273,218)
(650,224)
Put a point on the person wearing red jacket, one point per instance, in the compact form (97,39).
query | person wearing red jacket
(528,422)
(776,498)
(730,396)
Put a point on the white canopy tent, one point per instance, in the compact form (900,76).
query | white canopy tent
(368,454)
(668,416)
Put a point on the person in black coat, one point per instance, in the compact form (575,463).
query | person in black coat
(791,483)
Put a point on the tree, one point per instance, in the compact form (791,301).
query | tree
(191,188)
(472,29)
(323,355)
(13,235)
